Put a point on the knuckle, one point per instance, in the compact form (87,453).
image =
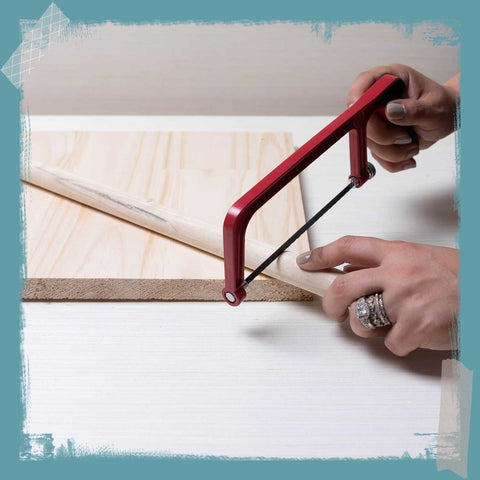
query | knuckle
(415,110)
(331,310)
(315,257)
(416,299)
(341,316)
(404,249)
(400,244)
(359,330)
(404,273)
(425,326)
(396,67)
(339,287)
(366,74)
(346,242)
(419,112)
(396,347)
(326,305)
(416,258)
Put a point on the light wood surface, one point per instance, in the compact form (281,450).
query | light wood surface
(189,231)
(74,252)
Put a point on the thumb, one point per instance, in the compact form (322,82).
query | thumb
(407,112)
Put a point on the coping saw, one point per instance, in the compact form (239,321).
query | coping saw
(353,121)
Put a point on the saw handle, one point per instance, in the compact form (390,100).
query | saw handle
(353,121)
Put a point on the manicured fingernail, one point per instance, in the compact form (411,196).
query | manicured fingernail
(303,258)
(411,153)
(395,111)
(404,140)
(410,164)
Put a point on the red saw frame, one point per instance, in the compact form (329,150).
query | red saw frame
(353,120)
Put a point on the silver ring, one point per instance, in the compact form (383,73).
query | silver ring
(370,311)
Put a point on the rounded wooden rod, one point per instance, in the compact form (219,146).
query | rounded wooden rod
(168,222)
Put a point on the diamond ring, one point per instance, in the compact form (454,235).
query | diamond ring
(370,311)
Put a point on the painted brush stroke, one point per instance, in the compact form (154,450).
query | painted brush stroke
(454,424)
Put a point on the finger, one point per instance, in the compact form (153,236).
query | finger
(364,81)
(345,289)
(367,251)
(360,330)
(415,114)
(394,153)
(353,268)
(408,111)
(394,167)
(401,340)
(385,133)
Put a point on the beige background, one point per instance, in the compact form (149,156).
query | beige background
(236,69)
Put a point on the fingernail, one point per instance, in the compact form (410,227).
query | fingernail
(404,140)
(303,258)
(410,164)
(412,152)
(396,111)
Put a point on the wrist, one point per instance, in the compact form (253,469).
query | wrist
(452,93)
(452,88)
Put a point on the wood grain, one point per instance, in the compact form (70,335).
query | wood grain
(168,222)
(74,252)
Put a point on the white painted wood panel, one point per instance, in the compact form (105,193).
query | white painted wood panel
(270,380)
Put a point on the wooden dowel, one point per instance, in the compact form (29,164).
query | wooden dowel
(168,222)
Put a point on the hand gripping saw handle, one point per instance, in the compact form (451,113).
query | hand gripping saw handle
(353,120)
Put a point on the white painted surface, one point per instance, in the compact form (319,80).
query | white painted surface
(276,379)
(225,69)
(264,379)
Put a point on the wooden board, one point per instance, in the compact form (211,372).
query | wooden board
(75,252)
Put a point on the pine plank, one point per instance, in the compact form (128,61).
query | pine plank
(74,252)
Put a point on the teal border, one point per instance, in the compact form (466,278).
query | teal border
(142,11)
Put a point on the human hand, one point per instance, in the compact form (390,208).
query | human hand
(430,109)
(419,285)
